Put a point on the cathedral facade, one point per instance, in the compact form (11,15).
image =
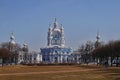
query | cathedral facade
(56,52)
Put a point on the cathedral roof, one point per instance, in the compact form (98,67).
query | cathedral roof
(56,29)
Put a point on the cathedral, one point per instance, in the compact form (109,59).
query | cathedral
(56,52)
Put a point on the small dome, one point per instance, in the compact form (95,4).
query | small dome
(50,28)
(12,37)
(13,42)
(98,36)
(24,44)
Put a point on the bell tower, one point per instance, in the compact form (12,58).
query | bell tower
(12,42)
(97,43)
(62,36)
(56,35)
(49,38)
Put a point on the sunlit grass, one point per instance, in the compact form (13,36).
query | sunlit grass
(86,73)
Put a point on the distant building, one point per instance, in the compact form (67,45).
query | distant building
(76,57)
(22,54)
(13,49)
(28,57)
(56,52)
(31,57)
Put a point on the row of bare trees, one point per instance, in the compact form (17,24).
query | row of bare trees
(105,53)
(108,53)
(85,51)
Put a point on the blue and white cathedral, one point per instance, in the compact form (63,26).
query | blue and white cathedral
(56,52)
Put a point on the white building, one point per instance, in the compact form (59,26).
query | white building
(56,51)
(24,56)
(28,57)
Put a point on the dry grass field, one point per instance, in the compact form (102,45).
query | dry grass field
(74,72)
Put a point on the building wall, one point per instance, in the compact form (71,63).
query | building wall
(56,52)
(56,55)
(32,57)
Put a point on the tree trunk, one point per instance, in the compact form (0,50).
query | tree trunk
(2,62)
(111,61)
(117,63)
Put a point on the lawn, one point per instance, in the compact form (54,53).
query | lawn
(74,72)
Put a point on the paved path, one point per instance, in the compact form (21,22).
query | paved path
(45,72)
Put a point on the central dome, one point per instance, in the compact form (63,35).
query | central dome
(56,35)
(56,29)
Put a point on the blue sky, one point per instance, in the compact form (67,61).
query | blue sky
(29,20)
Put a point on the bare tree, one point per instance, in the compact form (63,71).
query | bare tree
(4,55)
(14,50)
